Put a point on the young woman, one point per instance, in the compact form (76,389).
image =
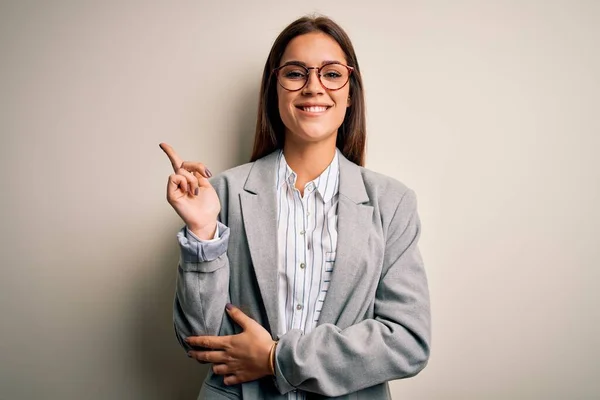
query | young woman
(299,274)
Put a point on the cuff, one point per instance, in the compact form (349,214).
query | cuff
(194,250)
(190,234)
(281,383)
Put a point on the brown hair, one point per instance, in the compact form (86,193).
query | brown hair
(270,131)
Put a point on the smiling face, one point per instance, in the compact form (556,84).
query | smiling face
(312,114)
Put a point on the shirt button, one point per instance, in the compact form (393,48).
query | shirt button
(302,265)
(299,307)
(308,213)
(302,232)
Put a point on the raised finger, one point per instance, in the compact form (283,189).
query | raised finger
(191,180)
(197,167)
(176,161)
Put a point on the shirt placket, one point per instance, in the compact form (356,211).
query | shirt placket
(302,274)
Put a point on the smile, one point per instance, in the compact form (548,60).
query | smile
(313,109)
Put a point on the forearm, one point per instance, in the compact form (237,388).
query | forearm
(202,289)
(334,362)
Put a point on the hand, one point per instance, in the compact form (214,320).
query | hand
(192,196)
(241,358)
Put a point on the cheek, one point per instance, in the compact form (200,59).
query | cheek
(341,98)
(341,106)
(283,103)
(340,114)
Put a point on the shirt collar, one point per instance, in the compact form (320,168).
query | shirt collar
(284,172)
(327,184)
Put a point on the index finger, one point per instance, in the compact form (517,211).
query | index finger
(173,157)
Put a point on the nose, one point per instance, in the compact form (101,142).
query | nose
(313,84)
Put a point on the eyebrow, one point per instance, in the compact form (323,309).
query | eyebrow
(304,64)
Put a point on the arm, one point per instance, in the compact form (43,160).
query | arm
(202,285)
(395,344)
(203,274)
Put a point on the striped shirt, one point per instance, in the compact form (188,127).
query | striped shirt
(307,242)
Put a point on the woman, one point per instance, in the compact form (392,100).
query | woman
(319,253)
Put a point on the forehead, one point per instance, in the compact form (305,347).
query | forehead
(312,49)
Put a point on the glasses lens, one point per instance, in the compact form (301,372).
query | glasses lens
(292,77)
(334,76)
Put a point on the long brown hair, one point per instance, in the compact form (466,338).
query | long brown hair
(270,131)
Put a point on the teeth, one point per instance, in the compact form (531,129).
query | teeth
(315,109)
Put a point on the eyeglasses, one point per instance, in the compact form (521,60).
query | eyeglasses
(293,76)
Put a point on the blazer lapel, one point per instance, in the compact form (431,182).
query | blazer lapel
(259,213)
(353,220)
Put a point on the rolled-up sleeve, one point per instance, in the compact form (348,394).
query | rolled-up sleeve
(202,285)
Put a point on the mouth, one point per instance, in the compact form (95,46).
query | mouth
(313,109)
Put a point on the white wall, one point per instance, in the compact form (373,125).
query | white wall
(488,109)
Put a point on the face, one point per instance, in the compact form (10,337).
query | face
(313,114)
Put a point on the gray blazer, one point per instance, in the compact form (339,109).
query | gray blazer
(375,323)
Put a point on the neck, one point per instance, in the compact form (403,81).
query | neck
(308,160)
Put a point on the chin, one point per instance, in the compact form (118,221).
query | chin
(313,135)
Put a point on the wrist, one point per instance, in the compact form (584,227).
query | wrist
(205,232)
(272,358)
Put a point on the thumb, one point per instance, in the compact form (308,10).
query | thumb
(239,317)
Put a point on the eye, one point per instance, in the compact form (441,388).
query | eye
(293,72)
(295,75)
(333,72)
(332,75)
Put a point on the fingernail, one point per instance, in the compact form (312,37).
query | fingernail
(187,340)
(196,191)
(208,173)
(229,306)
(189,354)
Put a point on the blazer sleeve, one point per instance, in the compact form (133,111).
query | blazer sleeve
(394,344)
(202,289)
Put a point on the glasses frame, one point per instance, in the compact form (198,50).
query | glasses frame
(276,73)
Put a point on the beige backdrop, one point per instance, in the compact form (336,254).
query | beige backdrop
(488,109)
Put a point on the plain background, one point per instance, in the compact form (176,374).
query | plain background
(487,109)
